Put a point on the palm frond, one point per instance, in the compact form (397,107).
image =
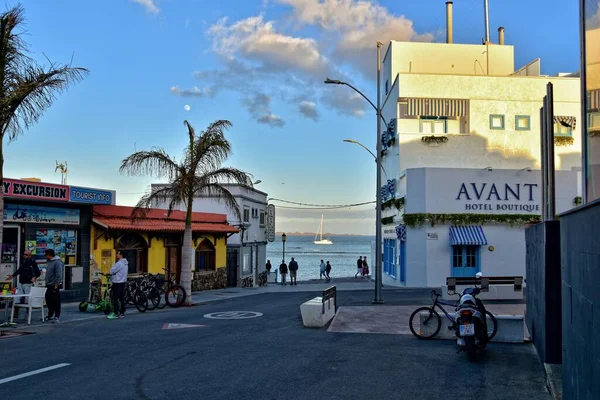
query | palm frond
(211,149)
(168,194)
(227,175)
(155,163)
(220,193)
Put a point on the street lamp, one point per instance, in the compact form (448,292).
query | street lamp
(257,182)
(283,239)
(378,239)
(367,149)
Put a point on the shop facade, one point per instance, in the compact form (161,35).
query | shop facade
(455,222)
(154,243)
(39,216)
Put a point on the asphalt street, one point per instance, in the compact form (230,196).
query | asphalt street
(268,357)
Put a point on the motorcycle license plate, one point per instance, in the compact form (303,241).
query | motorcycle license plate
(467,330)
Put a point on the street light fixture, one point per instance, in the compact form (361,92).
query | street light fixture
(257,182)
(367,149)
(283,239)
(378,238)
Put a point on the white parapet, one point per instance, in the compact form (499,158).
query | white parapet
(313,315)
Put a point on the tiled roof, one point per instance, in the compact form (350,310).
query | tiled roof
(119,217)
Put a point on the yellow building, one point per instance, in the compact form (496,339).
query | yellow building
(154,244)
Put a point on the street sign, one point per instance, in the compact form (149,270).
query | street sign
(233,315)
(271,222)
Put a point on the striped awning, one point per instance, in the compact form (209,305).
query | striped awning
(593,100)
(467,235)
(438,107)
(567,121)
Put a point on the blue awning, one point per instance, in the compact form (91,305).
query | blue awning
(467,235)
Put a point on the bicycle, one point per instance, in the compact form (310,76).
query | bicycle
(135,296)
(174,294)
(435,322)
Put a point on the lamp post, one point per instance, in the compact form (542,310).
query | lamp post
(283,239)
(378,239)
(367,149)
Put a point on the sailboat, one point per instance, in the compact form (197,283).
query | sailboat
(320,235)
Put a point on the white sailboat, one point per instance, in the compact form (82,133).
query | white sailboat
(320,235)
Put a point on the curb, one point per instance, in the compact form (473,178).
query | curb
(551,383)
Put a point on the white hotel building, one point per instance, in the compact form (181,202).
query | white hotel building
(462,152)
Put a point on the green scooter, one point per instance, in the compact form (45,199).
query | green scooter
(96,298)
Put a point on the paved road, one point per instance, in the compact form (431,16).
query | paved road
(269,357)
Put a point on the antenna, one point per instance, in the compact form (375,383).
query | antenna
(486,13)
(64,171)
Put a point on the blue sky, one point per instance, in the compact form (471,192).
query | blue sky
(259,64)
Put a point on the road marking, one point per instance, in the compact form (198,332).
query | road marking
(37,371)
(181,326)
(233,315)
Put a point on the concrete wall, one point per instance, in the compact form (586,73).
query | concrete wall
(543,314)
(580,263)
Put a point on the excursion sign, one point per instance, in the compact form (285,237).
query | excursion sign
(35,190)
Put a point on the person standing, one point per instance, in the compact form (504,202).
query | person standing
(54,280)
(283,270)
(327,271)
(365,267)
(28,272)
(359,267)
(268,267)
(293,272)
(119,278)
(322,268)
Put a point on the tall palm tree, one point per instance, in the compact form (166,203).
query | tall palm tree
(199,174)
(26,88)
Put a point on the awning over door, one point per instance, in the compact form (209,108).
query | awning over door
(438,107)
(567,121)
(467,235)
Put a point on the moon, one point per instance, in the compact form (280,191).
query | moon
(187,107)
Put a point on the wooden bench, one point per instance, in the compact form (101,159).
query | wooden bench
(492,287)
(317,312)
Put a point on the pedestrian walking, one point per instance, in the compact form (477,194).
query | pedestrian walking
(327,271)
(54,281)
(359,266)
(322,269)
(268,267)
(283,270)
(293,272)
(365,267)
(119,278)
(28,273)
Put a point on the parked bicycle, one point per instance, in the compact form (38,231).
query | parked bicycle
(135,296)
(174,294)
(429,326)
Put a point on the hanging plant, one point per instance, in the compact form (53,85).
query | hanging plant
(563,140)
(398,203)
(418,220)
(593,132)
(434,139)
(383,152)
(387,220)
(578,200)
(392,141)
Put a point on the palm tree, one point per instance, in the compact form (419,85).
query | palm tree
(199,174)
(26,88)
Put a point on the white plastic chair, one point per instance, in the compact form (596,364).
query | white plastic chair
(35,300)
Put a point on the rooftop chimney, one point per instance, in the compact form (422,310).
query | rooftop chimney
(501,36)
(448,22)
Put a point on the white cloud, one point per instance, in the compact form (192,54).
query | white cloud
(149,5)
(194,92)
(271,120)
(309,109)
(258,104)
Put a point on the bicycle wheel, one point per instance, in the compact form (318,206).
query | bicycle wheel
(428,325)
(161,295)
(494,325)
(141,301)
(175,296)
(153,297)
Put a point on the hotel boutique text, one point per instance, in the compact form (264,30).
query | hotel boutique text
(502,197)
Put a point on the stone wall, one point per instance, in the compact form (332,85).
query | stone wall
(210,280)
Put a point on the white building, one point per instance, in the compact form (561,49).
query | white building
(466,110)
(247,250)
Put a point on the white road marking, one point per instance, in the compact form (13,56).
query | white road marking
(37,371)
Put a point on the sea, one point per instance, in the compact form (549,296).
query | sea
(342,254)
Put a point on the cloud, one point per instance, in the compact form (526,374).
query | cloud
(148,5)
(194,92)
(309,110)
(259,106)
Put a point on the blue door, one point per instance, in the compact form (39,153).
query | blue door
(402,261)
(465,261)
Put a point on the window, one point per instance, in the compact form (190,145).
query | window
(562,130)
(205,256)
(262,218)
(465,260)
(497,122)
(389,257)
(434,125)
(522,123)
(246,215)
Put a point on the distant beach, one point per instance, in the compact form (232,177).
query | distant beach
(342,254)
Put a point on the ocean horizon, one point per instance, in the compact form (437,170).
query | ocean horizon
(342,254)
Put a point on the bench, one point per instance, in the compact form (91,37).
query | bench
(317,312)
(492,287)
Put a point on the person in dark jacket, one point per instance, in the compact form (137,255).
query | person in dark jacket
(54,280)
(28,272)
(293,272)
(327,271)
(359,267)
(283,270)
(268,266)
